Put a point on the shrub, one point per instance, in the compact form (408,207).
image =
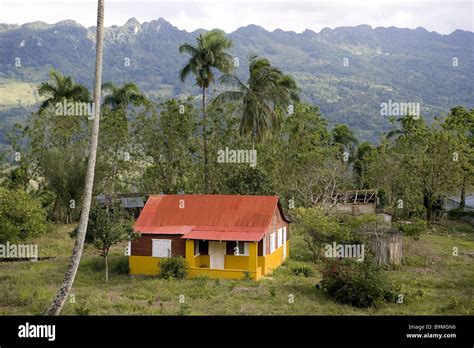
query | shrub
(82,310)
(121,265)
(459,214)
(247,275)
(173,267)
(21,216)
(304,270)
(358,284)
(413,229)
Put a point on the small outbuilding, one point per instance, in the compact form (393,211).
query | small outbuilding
(220,236)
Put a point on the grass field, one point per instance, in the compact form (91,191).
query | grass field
(434,281)
(12,92)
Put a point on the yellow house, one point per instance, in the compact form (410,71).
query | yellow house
(220,236)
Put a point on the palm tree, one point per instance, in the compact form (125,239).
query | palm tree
(344,137)
(61,87)
(267,88)
(63,292)
(120,97)
(209,53)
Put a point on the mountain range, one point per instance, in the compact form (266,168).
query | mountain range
(347,71)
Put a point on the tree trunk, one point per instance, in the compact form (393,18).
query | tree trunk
(462,202)
(63,292)
(429,212)
(204,137)
(106,268)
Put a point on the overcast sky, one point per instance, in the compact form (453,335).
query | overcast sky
(442,16)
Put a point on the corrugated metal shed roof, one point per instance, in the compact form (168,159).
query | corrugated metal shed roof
(208,217)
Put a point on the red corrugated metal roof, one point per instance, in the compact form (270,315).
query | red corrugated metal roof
(208,217)
(164,229)
(225,235)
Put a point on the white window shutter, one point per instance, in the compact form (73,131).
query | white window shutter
(167,248)
(161,247)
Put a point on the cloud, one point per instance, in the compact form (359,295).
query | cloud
(442,16)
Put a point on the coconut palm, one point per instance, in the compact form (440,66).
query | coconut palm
(209,54)
(267,88)
(61,87)
(63,292)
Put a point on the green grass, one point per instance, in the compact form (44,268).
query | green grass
(434,281)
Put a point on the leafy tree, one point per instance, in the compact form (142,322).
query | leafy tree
(107,227)
(267,88)
(417,168)
(209,54)
(461,123)
(317,229)
(52,150)
(21,216)
(114,153)
(165,146)
(365,154)
(249,181)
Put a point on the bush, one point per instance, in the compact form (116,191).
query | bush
(305,270)
(413,229)
(121,265)
(173,267)
(358,284)
(247,275)
(459,214)
(82,310)
(21,216)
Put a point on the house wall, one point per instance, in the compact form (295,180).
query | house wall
(223,273)
(271,261)
(143,246)
(355,209)
(202,261)
(146,265)
(140,260)
(277,223)
(364,209)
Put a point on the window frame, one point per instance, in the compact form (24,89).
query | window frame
(272,242)
(280,238)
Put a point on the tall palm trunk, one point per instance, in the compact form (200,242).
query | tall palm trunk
(204,136)
(63,292)
(462,202)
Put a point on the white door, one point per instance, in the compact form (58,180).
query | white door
(284,242)
(217,254)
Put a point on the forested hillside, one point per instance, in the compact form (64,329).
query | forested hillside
(347,71)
